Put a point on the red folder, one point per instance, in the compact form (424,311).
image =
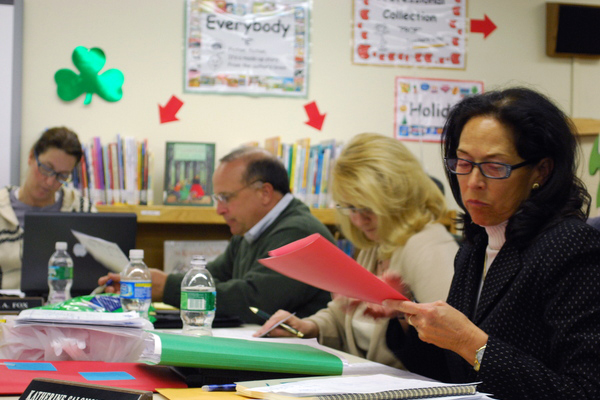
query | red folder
(318,262)
(15,375)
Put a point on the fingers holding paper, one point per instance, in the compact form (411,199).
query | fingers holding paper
(272,326)
(440,324)
(381,311)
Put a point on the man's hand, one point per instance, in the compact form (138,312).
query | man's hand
(159,279)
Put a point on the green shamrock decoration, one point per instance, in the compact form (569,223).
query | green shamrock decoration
(595,166)
(107,85)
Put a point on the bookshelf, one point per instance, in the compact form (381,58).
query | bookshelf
(159,223)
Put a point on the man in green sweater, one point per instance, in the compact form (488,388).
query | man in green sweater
(252,193)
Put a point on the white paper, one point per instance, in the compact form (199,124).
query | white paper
(130,319)
(106,253)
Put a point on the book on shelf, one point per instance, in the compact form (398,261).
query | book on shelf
(116,173)
(309,167)
(301,168)
(273,145)
(189,169)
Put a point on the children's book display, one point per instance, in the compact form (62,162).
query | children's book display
(188,173)
(119,172)
(309,167)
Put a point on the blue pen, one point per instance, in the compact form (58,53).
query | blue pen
(230,387)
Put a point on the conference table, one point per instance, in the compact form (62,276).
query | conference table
(352,365)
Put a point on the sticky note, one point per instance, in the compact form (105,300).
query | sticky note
(25,366)
(107,376)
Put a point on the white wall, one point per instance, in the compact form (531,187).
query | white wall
(6,58)
(145,40)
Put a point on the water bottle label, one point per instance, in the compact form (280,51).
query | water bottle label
(136,290)
(198,301)
(57,273)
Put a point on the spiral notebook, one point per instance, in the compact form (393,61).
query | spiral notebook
(364,387)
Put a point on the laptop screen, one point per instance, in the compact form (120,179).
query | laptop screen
(43,230)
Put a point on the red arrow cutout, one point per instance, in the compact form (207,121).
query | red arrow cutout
(485,26)
(167,113)
(315,119)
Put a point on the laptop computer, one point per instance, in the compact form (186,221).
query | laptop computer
(43,230)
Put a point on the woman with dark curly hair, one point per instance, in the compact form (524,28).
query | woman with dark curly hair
(523,312)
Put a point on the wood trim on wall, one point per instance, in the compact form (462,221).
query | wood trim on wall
(587,126)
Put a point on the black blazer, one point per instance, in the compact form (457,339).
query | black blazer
(541,309)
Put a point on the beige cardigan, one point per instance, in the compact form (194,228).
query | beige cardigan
(11,234)
(425,263)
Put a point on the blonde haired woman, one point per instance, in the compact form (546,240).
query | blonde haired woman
(391,210)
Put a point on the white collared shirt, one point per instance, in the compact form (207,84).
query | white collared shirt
(268,219)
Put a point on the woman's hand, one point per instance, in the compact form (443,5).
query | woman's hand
(380,311)
(308,328)
(442,325)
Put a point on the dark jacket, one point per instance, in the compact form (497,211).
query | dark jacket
(541,309)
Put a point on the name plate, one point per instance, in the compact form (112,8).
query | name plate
(14,305)
(51,389)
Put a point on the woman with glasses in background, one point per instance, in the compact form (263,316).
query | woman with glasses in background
(523,313)
(391,210)
(50,165)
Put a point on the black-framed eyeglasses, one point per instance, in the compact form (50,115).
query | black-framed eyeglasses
(46,170)
(351,210)
(225,198)
(492,170)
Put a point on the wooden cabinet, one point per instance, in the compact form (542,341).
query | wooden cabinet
(159,223)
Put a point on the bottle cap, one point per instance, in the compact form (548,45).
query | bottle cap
(198,261)
(60,246)
(136,253)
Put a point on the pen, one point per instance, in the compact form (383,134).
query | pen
(230,387)
(266,316)
(100,289)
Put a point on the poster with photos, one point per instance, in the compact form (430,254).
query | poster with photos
(427,34)
(189,170)
(422,105)
(257,48)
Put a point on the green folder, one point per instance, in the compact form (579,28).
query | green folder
(248,355)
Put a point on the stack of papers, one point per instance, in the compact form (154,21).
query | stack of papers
(129,319)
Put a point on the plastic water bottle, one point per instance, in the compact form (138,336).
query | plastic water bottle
(60,274)
(198,299)
(136,284)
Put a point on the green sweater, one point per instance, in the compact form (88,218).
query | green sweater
(243,282)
